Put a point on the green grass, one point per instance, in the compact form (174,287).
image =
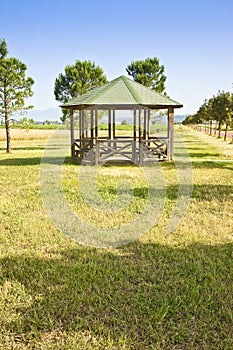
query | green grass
(163,291)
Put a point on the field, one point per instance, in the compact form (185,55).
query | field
(162,291)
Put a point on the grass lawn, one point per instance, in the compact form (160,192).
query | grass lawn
(163,291)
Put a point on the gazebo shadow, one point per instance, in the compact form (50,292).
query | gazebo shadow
(144,294)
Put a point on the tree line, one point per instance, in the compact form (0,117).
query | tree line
(218,111)
(76,80)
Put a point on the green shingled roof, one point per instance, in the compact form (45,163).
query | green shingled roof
(122,91)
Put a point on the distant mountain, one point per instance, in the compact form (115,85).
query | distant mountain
(179,118)
(51,114)
(54,114)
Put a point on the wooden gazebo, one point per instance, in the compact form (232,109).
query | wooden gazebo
(121,94)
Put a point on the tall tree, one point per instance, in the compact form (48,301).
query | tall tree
(77,80)
(14,88)
(149,73)
(221,109)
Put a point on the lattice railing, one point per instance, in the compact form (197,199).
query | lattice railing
(155,148)
(82,147)
(116,148)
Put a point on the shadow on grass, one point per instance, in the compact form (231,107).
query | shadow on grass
(34,148)
(203,154)
(214,164)
(206,192)
(149,294)
(33,161)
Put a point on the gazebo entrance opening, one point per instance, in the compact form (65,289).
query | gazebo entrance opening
(137,134)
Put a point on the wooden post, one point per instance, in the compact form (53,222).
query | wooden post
(80,124)
(114,123)
(114,128)
(83,123)
(72,133)
(135,125)
(109,125)
(170,133)
(96,124)
(92,125)
(139,126)
(144,125)
(92,136)
(140,138)
(134,155)
(148,125)
(97,153)
(86,122)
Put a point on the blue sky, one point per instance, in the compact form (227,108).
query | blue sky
(192,39)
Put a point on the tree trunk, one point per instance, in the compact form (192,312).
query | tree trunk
(225,135)
(219,130)
(8,136)
(211,126)
(7,124)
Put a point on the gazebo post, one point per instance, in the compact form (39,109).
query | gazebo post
(83,124)
(114,123)
(114,127)
(109,127)
(109,124)
(148,124)
(72,133)
(145,125)
(170,133)
(80,125)
(134,135)
(140,138)
(92,137)
(86,126)
(96,139)
(92,125)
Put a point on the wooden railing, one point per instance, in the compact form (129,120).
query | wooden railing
(96,151)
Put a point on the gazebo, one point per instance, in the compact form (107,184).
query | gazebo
(121,95)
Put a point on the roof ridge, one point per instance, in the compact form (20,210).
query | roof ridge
(135,95)
(106,87)
(153,91)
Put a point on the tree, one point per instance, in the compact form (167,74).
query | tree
(14,88)
(148,73)
(77,80)
(27,121)
(221,109)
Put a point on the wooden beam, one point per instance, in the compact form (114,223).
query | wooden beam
(109,124)
(80,124)
(170,133)
(83,124)
(92,124)
(96,124)
(139,125)
(114,123)
(140,138)
(148,124)
(86,121)
(135,125)
(97,152)
(72,133)
(144,124)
